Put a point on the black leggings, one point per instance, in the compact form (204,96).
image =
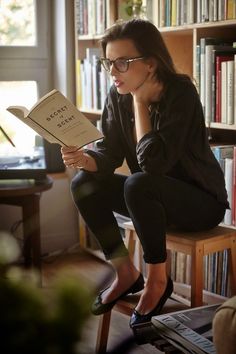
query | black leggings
(152,202)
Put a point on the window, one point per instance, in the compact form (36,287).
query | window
(24,66)
(17,23)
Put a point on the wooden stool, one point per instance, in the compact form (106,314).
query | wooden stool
(197,245)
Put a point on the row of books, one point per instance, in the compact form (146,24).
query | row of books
(93,83)
(91,16)
(184,12)
(215,271)
(216,79)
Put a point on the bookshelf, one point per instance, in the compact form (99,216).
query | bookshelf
(182,39)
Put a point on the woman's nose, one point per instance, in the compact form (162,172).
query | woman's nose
(113,69)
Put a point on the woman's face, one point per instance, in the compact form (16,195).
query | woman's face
(137,72)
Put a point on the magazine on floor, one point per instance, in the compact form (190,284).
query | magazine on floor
(189,331)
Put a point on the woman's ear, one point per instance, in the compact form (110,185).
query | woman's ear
(152,64)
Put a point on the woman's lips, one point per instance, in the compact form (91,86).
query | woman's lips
(118,83)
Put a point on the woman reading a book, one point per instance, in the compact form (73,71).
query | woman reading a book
(152,118)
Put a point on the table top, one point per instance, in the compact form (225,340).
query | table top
(22,187)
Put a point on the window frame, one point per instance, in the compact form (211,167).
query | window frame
(39,50)
(20,63)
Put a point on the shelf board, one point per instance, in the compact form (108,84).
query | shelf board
(172,29)
(89,37)
(190,27)
(222,126)
(91,111)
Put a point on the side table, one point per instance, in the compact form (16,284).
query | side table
(26,193)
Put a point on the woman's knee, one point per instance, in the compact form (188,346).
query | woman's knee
(82,185)
(141,184)
(135,188)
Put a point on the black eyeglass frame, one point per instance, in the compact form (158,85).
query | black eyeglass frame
(113,62)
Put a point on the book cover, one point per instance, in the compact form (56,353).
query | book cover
(189,330)
(56,119)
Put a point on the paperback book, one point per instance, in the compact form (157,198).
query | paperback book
(57,119)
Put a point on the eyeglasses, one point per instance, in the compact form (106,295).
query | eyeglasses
(122,65)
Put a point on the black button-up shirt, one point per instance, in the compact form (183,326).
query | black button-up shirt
(176,146)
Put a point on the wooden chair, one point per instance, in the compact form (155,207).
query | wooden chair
(195,244)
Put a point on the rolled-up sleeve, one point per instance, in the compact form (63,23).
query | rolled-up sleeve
(108,152)
(159,150)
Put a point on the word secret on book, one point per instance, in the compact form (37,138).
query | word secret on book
(57,112)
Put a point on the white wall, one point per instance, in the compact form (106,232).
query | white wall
(58,218)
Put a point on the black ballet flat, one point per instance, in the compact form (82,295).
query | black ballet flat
(138,319)
(98,308)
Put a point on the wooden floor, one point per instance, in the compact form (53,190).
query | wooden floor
(95,271)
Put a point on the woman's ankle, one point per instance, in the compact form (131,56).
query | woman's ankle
(125,267)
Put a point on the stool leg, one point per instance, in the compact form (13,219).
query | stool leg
(140,257)
(233,265)
(130,242)
(103,332)
(197,276)
(168,262)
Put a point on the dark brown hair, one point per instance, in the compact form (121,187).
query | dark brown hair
(147,40)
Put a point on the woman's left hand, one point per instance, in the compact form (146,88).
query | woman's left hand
(148,91)
(76,158)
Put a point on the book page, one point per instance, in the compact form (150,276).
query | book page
(18,111)
(21,113)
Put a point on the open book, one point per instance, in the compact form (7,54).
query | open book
(57,120)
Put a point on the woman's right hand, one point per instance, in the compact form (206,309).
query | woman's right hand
(76,158)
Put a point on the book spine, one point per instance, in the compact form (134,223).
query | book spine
(202,72)
(234,189)
(78,84)
(197,68)
(174,13)
(215,10)
(208,83)
(230,93)
(198,17)
(162,19)
(211,10)
(224,92)
(229,186)
(234,87)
